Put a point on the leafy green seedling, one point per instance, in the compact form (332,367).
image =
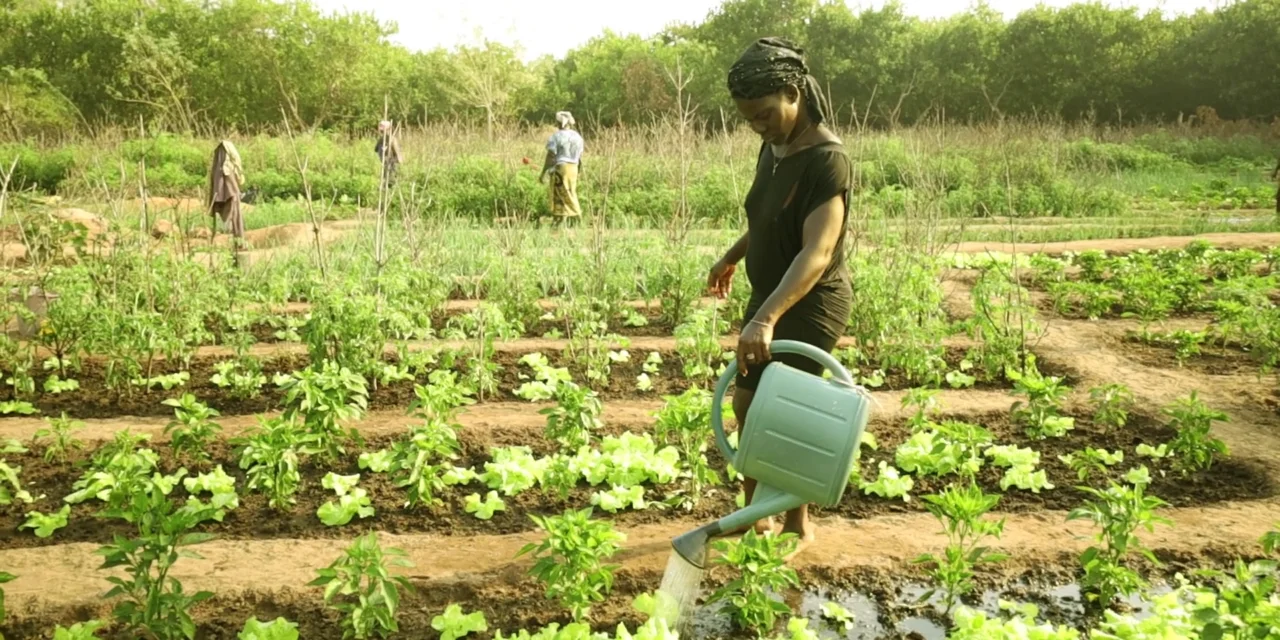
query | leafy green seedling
(19,407)
(798,629)
(1194,449)
(364,571)
(352,500)
(454,624)
(217,483)
(658,605)
(10,486)
(377,461)
(78,631)
(45,525)
(1089,460)
(960,511)
(278,629)
(458,476)
(1112,403)
(148,597)
(890,484)
(570,561)
(192,428)
(761,568)
(60,439)
(836,613)
(619,498)
(5,576)
(1119,511)
(1270,540)
(485,509)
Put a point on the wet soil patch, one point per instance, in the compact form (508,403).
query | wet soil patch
(883,599)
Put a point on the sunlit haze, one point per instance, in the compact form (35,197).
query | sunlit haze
(555,27)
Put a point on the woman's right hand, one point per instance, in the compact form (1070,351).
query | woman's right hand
(720,278)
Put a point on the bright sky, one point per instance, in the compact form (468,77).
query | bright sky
(555,26)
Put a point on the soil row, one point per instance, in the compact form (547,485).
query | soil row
(489,421)
(1117,246)
(95,400)
(266,578)
(648,311)
(1231,479)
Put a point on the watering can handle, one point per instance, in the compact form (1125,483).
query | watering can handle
(837,370)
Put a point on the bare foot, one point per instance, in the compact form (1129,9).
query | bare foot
(762,526)
(806,534)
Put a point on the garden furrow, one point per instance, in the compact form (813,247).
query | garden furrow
(491,417)
(464,305)
(1125,245)
(67,574)
(634,344)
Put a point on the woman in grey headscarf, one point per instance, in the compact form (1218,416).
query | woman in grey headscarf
(564,154)
(796,216)
(226,179)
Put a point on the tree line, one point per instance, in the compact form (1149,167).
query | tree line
(247,65)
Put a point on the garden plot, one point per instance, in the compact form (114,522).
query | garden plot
(451,472)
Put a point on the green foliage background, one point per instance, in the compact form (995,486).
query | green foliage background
(246,64)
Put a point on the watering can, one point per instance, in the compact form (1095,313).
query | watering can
(799,442)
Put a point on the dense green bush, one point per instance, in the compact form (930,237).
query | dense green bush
(42,170)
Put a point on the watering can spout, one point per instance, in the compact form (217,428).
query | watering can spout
(692,545)
(767,501)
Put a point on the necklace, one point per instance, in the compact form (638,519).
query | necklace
(777,159)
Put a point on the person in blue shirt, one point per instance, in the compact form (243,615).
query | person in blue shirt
(564,155)
(388,150)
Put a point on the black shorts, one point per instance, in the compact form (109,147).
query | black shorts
(798,330)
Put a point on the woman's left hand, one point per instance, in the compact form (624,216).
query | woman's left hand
(753,345)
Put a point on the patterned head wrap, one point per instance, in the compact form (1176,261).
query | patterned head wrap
(768,66)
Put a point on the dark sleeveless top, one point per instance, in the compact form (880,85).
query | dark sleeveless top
(780,200)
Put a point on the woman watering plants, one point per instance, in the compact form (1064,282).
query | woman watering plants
(796,216)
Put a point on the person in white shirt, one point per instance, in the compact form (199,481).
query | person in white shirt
(564,155)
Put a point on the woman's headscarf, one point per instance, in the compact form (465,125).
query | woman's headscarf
(384,125)
(231,166)
(564,119)
(768,66)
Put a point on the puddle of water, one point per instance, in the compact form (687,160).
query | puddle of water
(1059,604)
(866,615)
(927,629)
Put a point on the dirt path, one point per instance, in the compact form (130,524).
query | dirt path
(1123,245)
(463,306)
(1089,350)
(489,418)
(57,575)
(1092,351)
